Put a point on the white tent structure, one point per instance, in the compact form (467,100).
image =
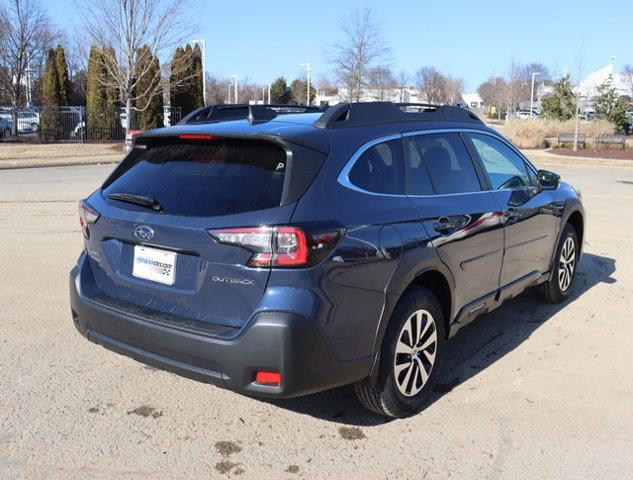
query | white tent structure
(589,86)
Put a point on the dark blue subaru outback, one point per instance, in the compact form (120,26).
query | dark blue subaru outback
(279,251)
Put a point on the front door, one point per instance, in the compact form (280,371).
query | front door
(462,220)
(529,211)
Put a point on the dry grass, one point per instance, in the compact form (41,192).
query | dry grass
(539,133)
(56,150)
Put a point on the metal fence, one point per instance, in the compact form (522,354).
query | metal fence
(71,124)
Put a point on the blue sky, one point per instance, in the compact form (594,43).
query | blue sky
(469,39)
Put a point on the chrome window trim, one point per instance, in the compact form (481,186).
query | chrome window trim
(343,177)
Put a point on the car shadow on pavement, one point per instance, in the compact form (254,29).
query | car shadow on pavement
(473,349)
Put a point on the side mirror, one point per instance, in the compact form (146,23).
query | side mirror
(548,180)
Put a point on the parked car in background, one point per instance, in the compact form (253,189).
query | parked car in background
(526,113)
(280,254)
(28,122)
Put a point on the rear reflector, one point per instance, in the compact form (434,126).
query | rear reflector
(195,136)
(87,215)
(268,378)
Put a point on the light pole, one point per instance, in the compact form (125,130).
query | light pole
(269,93)
(234,77)
(228,95)
(204,78)
(534,74)
(307,65)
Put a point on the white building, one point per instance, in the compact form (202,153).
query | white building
(398,95)
(589,86)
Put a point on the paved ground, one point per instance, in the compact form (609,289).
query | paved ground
(530,391)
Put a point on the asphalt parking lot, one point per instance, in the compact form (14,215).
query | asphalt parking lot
(530,391)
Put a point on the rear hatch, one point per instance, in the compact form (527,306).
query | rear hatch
(150,240)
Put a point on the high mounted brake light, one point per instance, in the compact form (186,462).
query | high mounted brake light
(279,246)
(195,136)
(87,216)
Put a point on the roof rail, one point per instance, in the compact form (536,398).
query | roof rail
(372,113)
(254,113)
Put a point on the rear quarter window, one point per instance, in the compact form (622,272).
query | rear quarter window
(206,178)
(379,169)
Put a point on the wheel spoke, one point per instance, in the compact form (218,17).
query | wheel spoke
(402,347)
(407,377)
(418,328)
(401,367)
(422,374)
(429,341)
(429,356)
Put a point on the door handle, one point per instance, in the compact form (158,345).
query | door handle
(512,214)
(444,225)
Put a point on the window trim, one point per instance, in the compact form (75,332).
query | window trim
(343,176)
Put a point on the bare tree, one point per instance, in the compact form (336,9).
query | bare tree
(491,92)
(122,28)
(436,87)
(402,84)
(22,27)
(583,95)
(325,86)
(627,74)
(381,83)
(361,50)
(431,84)
(515,88)
(217,89)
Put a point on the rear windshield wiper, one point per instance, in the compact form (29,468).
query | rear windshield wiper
(136,200)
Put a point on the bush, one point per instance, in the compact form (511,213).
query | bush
(533,133)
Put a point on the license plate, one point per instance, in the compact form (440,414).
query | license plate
(154,264)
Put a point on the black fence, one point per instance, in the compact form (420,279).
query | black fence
(72,124)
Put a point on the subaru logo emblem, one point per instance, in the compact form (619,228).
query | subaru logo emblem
(143,232)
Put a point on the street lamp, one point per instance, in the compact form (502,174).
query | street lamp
(534,74)
(204,78)
(234,77)
(307,65)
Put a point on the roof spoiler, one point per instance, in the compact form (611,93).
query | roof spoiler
(253,113)
(371,113)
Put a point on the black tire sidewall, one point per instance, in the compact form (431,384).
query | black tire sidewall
(395,403)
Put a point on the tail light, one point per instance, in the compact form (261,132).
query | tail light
(279,246)
(87,215)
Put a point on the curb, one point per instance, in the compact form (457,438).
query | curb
(19,166)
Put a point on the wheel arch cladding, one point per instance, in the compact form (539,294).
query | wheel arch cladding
(577,221)
(438,285)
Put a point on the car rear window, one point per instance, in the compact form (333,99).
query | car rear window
(206,178)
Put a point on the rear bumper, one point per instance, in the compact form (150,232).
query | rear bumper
(273,341)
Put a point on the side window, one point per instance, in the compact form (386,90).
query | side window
(505,168)
(380,169)
(417,174)
(448,163)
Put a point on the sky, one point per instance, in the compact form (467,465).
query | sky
(471,40)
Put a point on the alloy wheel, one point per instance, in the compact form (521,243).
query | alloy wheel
(415,353)
(566,264)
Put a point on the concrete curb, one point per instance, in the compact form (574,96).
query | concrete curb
(16,164)
(543,157)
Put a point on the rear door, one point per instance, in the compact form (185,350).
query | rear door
(462,219)
(529,212)
(161,256)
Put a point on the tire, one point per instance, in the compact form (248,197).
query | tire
(407,392)
(557,288)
